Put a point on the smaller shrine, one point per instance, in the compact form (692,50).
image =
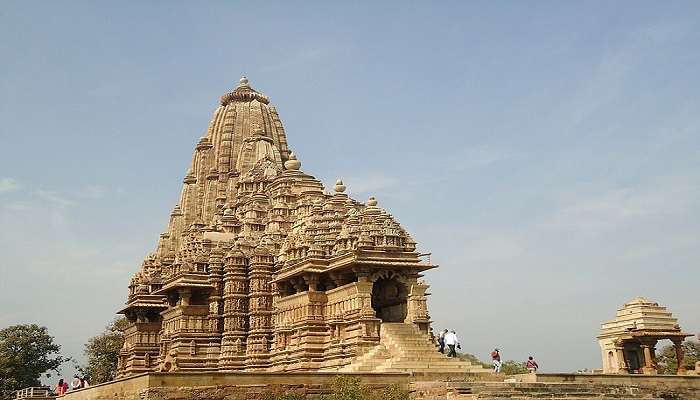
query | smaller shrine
(628,342)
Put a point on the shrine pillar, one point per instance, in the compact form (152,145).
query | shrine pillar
(235,312)
(678,344)
(260,309)
(417,307)
(649,367)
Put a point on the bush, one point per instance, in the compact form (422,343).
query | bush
(276,395)
(473,360)
(512,367)
(351,388)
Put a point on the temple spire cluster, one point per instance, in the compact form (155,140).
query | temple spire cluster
(260,268)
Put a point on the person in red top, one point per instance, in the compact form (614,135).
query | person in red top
(496,359)
(531,364)
(61,388)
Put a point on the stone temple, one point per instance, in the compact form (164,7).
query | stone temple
(628,342)
(261,269)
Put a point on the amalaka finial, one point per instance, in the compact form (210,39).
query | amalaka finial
(372,201)
(243,81)
(339,186)
(292,164)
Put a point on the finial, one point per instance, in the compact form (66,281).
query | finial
(243,81)
(339,187)
(292,164)
(372,201)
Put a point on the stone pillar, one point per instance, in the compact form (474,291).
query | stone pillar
(312,281)
(417,307)
(678,344)
(185,295)
(260,308)
(216,266)
(648,367)
(235,312)
(621,360)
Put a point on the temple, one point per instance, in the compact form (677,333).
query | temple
(261,269)
(628,342)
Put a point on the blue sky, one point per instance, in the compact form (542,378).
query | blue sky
(547,153)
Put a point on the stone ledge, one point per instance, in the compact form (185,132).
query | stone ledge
(224,385)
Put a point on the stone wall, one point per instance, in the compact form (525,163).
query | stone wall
(254,386)
(538,390)
(668,381)
(223,386)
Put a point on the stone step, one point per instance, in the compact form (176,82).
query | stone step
(404,348)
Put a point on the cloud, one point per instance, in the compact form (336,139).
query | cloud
(18,206)
(8,185)
(478,157)
(626,204)
(55,198)
(94,192)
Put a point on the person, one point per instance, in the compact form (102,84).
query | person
(496,359)
(75,383)
(441,341)
(61,388)
(531,364)
(451,341)
(84,383)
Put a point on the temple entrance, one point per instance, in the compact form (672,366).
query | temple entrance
(389,300)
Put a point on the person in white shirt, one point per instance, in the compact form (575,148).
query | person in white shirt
(75,383)
(451,341)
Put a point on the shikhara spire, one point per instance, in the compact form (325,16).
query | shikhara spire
(259,268)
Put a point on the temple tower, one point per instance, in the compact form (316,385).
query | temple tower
(261,269)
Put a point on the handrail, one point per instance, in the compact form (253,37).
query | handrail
(33,392)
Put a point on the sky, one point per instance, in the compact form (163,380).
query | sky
(547,153)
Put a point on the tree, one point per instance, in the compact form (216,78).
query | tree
(666,362)
(26,352)
(473,360)
(512,367)
(102,352)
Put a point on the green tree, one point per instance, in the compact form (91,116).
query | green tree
(473,360)
(666,362)
(102,352)
(512,367)
(26,352)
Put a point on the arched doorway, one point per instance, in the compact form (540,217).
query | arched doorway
(389,300)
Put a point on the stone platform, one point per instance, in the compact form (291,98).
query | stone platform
(255,385)
(224,385)
(564,387)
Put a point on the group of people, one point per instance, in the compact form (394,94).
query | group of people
(530,364)
(449,338)
(75,384)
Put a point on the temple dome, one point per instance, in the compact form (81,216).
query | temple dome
(640,314)
(243,111)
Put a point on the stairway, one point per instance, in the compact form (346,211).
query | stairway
(404,348)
